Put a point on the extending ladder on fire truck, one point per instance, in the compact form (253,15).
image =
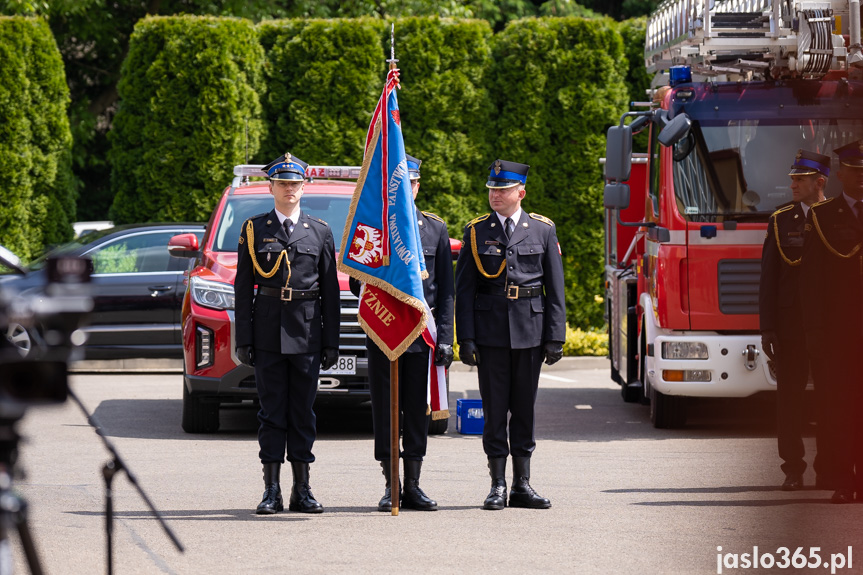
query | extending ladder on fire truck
(745,39)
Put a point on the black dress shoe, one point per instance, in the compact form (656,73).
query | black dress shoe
(792,482)
(842,496)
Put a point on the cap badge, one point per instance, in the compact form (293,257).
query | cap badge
(496,167)
(288,157)
(799,155)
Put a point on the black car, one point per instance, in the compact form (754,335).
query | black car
(136,285)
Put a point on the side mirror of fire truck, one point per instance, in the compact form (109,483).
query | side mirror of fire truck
(615,196)
(675,130)
(618,153)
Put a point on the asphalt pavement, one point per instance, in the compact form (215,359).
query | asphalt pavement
(626,498)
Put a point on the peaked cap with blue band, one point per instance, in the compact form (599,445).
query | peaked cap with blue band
(413,167)
(851,155)
(286,167)
(807,163)
(505,174)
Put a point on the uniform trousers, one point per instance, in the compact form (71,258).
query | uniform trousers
(792,375)
(508,382)
(413,401)
(842,387)
(287,385)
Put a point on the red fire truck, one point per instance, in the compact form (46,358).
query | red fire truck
(740,86)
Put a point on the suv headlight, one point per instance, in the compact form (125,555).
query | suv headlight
(214,295)
(684,350)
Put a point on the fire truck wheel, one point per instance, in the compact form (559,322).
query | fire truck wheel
(667,411)
(199,416)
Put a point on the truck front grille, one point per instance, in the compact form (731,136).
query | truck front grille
(738,286)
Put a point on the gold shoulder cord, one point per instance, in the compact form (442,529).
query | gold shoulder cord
(478,262)
(850,254)
(250,234)
(785,258)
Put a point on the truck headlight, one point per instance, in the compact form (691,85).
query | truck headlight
(684,350)
(214,295)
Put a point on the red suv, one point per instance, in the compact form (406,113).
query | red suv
(212,374)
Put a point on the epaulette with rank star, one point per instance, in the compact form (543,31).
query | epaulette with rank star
(433,216)
(319,220)
(543,219)
(478,220)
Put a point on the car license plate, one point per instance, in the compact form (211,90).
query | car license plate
(347,365)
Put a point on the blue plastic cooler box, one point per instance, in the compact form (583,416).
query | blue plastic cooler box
(469,419)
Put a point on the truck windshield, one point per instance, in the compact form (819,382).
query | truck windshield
(331,208)
(734,164)
(739,170)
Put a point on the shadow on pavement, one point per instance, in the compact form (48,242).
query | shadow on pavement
(563,414)
(160,419)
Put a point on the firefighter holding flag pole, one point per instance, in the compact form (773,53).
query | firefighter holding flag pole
(382,247)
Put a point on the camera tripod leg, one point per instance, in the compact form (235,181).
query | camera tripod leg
(108,471)
(14,513)
(27,539)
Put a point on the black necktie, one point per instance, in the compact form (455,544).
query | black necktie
(508,227)
(287,225)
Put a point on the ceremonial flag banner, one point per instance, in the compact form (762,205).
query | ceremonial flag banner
(381,245)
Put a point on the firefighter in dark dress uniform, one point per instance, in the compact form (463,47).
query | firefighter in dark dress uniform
(781,310)
(289,329)
(414,363)
(510,316)
(833,260)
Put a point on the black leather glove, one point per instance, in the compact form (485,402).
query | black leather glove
(770,344)
(246,355)
(468,352)
(443,355)
(329,357)
(552,351)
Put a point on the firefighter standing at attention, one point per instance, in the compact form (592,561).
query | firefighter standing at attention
(781,311)
(510,316)
(289,329)
(832,289)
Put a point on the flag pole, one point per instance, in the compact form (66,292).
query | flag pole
(395,483)
(394,436)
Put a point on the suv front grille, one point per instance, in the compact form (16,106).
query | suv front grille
(352,338)
(738,286)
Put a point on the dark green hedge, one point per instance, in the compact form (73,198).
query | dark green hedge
(542,92)
(37,198)
(447,112)
(189,95)
(557,84)
(323,80)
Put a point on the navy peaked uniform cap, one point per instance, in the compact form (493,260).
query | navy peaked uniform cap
(286,167)
(851,155)
(807,163)
(504,174)
(413,167)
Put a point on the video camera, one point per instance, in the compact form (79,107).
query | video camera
(52,317)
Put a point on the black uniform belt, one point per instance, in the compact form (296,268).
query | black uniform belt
(288,294)
(511,292)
